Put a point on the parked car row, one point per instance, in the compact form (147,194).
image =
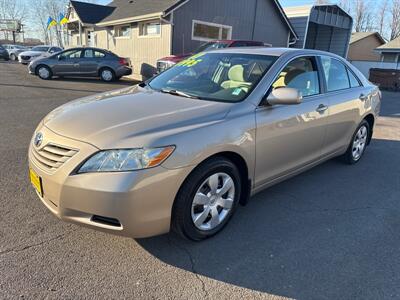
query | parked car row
(47,61)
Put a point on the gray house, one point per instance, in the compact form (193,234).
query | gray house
(146,30)
(321,27)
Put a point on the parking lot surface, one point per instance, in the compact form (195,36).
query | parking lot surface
(329,233)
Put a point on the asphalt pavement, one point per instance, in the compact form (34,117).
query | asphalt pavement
(329,233)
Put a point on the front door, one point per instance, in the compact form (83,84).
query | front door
(68,62)
(291,136)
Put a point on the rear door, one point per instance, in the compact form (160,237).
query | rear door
(90,61)
(291,136)
(347,98)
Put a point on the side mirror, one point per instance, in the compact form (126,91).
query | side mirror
(60,57)
(285,96)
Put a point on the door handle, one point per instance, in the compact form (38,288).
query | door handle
(321,108)
(363,97)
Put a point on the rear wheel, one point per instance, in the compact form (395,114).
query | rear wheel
(44,72)
(358,143)
(107,75)
(207,199)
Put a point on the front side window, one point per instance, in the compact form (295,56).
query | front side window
(225,77)
(203,31)
(301,74)
(71,54)
(335,74)
(123,31)
(151,28)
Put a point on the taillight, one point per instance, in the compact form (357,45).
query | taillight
(123,62)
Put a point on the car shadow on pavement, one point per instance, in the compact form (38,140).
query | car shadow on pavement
(331,232)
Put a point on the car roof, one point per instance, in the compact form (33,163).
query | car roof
(272,51)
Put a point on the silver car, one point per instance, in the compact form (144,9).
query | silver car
(39,51)
(184,149)
(14,50)
(88,62)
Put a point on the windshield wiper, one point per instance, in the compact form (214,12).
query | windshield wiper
(178,93)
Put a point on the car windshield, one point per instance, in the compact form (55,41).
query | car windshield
(40,49)
(228,77)
(211,46)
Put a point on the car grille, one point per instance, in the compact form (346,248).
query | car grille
(52,156)
(25,57)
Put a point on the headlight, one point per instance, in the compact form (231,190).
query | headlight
(126,160)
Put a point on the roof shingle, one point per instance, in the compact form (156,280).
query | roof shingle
(91,13)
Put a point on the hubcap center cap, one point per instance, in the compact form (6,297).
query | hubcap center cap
(213,199)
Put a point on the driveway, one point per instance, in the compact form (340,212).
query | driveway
(329,233)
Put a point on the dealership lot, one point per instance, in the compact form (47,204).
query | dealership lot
(331,232)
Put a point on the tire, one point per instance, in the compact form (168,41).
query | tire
(188,208)
(358,144)
(107,75)
(44,72)
(13,57)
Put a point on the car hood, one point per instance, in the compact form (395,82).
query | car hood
(113,118)
(31,53)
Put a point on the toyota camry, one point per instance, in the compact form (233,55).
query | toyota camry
(182,150)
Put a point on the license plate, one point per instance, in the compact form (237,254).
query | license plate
(36,182)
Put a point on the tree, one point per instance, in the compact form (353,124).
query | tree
(382,16)
(41,10)
(395,19)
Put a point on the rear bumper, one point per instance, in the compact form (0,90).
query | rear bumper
(123,71)
(135,204)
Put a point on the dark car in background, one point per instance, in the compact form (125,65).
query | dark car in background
(3,53)
(82,61)
(169,61)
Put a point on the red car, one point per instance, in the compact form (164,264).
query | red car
(169,61)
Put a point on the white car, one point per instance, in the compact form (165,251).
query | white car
(39,51)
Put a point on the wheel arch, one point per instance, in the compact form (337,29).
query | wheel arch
(239,161)
(370,118)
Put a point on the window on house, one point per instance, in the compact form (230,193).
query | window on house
(203,31)
(150,28)
(389,57)
(123,31)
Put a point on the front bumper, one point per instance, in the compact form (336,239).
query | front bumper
(136,204)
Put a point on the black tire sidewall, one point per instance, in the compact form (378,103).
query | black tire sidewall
(349,154)
(190,187)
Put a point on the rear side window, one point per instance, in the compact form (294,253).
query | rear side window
(353,80)
(335,74)
(90,53)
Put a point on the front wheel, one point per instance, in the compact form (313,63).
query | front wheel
(44,72)
(358,143)
(13,57)
(207,199)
